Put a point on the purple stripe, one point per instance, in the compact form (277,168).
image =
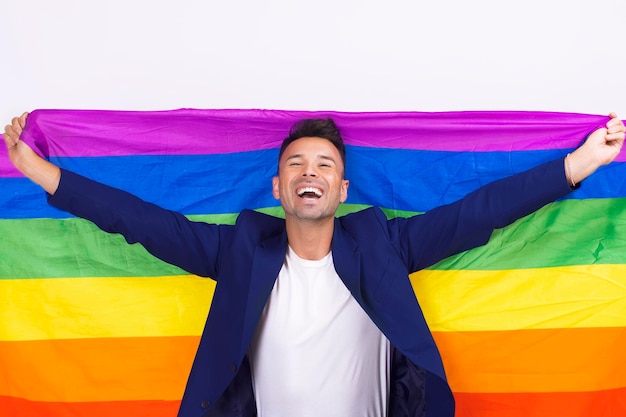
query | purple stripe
(6,169)
(189,131)
(224,131)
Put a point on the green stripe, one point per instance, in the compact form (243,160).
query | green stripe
(64,248)
(566,233)
(69,248)
(570,232)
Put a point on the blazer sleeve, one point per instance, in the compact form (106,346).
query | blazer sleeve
(168,235)
(426,239)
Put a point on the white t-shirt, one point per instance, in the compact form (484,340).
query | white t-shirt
(315,351)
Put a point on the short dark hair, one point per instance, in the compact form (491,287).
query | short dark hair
(318,128)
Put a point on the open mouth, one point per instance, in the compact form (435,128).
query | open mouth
(309,192)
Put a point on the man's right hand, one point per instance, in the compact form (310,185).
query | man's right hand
(34,167)
(12,134)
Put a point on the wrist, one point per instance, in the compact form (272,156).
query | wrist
(35,168)
(569,173)
(579,165)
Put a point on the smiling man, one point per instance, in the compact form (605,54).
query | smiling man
(315,315)
(315,351)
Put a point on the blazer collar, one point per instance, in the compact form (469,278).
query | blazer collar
(268,259)
(347,259)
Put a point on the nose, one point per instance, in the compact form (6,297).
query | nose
(309,171)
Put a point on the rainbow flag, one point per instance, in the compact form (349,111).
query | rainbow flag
(532,324)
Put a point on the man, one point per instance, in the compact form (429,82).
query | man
(314,315)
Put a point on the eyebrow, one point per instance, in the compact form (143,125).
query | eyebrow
(299,155)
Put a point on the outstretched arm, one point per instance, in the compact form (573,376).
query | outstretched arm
(170,236)
(37,169)
(600,148)
(469,222)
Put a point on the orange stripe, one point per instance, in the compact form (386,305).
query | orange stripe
(18,407)
(537,360)
(128,369)
(115,369)
(608,403)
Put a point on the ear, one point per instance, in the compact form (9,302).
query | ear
(344,190)
(275,188)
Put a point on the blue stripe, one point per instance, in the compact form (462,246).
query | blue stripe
(206,184)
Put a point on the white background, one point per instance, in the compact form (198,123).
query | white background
(432,55)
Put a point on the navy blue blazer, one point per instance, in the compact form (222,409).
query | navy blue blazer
(372,255)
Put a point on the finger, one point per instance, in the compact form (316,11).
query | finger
(8,131)
(615,125)
(10,140)
(16,126)
(22,120)
(614,138)
(614,118)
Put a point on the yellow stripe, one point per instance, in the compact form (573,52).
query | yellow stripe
(563,297)
(70,308)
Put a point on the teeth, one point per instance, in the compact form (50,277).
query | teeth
(314,190)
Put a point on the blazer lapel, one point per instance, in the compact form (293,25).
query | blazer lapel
(347,260)
(267,261)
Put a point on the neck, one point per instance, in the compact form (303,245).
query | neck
(310,240)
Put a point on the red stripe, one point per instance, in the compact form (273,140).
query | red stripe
(607,403)
(18,407)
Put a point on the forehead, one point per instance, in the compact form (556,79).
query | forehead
(311,146)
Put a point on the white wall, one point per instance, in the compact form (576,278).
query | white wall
(423,55)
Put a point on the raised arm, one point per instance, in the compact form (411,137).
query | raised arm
(469,222)
(37,169)
(193,246)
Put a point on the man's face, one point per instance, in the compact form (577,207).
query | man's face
(310,184)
